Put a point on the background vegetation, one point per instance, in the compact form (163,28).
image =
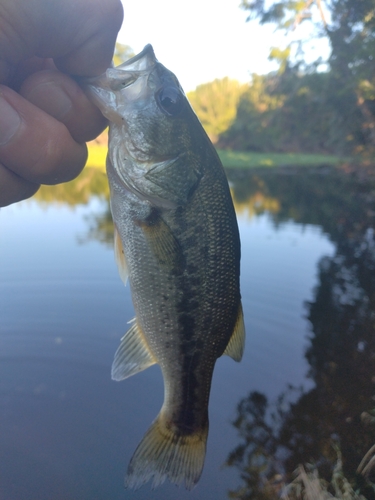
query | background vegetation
(323,108)
(316,108)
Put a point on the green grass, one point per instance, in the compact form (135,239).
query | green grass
(97,156)
(238,159)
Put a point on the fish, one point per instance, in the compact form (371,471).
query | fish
(176,240)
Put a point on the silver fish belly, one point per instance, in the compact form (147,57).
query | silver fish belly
(176,239)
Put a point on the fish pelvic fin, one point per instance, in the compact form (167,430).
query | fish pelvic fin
(164,454)
(133,354)
(236,344)
(120,257)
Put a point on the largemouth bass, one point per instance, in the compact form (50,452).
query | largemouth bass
(177,241)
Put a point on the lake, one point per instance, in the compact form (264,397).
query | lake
(67,431)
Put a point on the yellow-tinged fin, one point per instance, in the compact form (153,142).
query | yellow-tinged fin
(163,454)
(120,257)
(236,344)
(133,354)
(162,241)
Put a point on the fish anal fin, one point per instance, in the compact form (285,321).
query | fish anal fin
(162,241)
(120,257)
(236,344)
(133,354)
(163,454)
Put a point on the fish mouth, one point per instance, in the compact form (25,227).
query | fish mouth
(143,61)
(129,78)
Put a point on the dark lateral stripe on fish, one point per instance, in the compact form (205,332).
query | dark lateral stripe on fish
(189,417)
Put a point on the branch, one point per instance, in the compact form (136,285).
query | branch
(302,14)
(319,3)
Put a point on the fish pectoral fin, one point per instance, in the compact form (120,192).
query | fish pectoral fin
(236,344)
(120,257)
(162,241)
(164,454)
(133,354)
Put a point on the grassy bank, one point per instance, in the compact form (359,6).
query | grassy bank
(238,159)
(97,156)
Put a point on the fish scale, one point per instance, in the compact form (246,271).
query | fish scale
(177,241)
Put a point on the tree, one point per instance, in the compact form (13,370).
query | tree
(215,103)
(349,26)
(122,53)
(291,112)
(252,128)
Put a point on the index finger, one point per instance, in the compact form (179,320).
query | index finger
(78,34)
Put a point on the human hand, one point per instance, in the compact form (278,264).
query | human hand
(45,118)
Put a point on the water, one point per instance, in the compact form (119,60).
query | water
(68,432)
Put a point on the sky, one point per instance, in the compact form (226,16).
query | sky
(200,40)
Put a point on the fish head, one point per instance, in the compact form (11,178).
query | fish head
(154,134)
(144,98)
(120,89)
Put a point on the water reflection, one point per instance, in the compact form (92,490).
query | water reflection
(91,183)
(297,428)
(273,435)
(100,227)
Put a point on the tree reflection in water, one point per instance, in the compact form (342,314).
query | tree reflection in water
(303,428)
(299,427)
(92,183)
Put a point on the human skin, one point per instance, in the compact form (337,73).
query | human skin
(45,118)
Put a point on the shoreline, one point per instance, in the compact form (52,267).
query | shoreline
(246,160)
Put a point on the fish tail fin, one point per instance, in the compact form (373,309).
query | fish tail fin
(164,454)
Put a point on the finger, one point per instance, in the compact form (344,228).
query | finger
(34,145)
(94,43)
(61,97)
(13,188)
(79,35)
(17,74)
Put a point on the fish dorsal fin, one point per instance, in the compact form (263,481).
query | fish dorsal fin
(120,257)
(236,344)
(133,354)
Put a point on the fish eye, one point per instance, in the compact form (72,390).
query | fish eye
(170,100)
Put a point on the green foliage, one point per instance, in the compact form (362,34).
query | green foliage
(246,160)
(281,56)
(122,53)
(292,113)
(349,26)
(91,182)
(285,13)
(251,131)
(215,103)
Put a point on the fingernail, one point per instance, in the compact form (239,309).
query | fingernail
(51,99)
(9,121)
